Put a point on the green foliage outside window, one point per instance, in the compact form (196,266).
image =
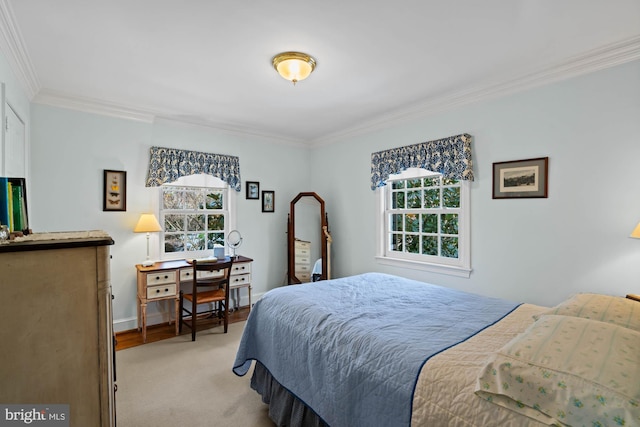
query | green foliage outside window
(423,218)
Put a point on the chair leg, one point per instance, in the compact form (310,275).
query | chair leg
(226,317)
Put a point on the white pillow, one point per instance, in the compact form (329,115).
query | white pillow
(568,370)
(605,308)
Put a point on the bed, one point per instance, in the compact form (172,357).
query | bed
(376,349)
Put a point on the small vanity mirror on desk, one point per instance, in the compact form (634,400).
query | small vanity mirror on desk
(308,240)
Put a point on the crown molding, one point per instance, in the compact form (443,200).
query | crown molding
(95,106)
(12,45)
(597,59)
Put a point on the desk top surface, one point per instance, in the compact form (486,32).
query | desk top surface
(181,263)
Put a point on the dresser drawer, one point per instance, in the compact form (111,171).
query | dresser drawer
(161,278)
(240,280)
(302,244)
(303,277)
(161,291)
(242,268)
(303,268)
(303,251)
(302,259)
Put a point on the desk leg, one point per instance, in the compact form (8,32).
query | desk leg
(143,309)
(177,306)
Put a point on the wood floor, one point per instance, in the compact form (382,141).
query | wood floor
(132,338)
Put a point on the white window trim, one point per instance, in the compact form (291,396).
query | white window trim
(200,180)
(462,268)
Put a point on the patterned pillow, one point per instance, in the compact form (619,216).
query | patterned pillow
(567,370)
(617,310)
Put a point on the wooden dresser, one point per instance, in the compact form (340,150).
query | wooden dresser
(303,260)
(56,334)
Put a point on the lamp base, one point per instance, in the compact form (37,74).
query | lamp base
(147,263)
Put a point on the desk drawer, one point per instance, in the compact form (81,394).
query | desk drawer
(161,278)
(240,280)
(241,268)
(187,273)
(160,291)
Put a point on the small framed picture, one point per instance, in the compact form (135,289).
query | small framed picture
(114,191)
(520,179)
(253,190)
(268,201)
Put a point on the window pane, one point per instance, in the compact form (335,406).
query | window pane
(194,242)
(451,197)
(429,223)
(430,245)
(172,199)
(173,243)
(449,223)
(173,223)
(412,243)
(450,247)
(432,198)
(397,184)
(413,199)
(449,181)
(214,200)
(411,223)
(397,201)
(195,222)
(432,182)
(215,239)
(192,200)
(215,222)
(414,183)
(396,222)
(396,242)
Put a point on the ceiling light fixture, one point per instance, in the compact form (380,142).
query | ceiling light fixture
(294,66)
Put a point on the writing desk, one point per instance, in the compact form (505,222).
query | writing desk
(161,281)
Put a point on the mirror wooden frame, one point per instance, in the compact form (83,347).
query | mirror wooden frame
(324,231)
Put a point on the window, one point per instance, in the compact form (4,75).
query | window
(194,219)
(423,222)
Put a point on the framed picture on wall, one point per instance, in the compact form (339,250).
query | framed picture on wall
(114,191)
(253,190)
(268,201)
(520,179)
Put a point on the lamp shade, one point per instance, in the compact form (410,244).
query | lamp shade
(147,224)
(294,66)
(636,232)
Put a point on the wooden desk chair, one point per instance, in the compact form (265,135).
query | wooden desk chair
(213,289)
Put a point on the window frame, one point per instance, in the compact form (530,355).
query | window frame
(459,267)
(197,181)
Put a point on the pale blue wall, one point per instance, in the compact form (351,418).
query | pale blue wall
(533,250)
(71,149)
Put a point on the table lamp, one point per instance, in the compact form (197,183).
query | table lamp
(147,224)
(636,232)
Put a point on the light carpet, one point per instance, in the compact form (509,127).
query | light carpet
(178,382)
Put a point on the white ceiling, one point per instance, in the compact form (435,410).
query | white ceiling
(379,62)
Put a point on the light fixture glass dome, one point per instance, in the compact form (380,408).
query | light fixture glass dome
(294,66)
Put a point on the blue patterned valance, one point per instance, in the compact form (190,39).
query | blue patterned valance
(169,164)
(449,156)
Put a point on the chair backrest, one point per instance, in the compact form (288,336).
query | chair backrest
(222,280)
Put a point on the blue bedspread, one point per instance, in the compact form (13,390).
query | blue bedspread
(352,348)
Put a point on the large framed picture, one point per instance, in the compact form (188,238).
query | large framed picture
(268,201)
(253,190)
(114,191)
(520,179)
